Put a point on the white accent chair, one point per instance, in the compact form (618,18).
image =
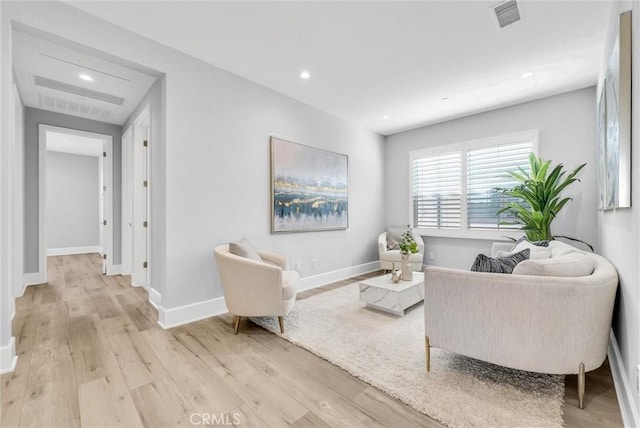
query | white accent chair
(543,324)
(389,257)
(255,288)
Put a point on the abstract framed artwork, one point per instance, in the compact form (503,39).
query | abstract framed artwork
(309,188)
(602,150)
(614,120)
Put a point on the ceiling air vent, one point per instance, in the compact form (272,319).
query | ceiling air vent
(506,13)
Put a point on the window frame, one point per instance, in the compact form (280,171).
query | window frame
(463,147)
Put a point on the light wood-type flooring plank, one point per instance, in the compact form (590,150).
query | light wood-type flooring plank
(92,354)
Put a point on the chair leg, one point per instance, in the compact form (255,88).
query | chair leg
(281,321)
(236,324)
(581,381)
(427,351)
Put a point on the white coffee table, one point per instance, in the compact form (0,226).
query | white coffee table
(383,294)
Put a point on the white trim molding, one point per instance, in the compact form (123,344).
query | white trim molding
(624,391)
(314,281)
(173,317)
(34,278)
(155,298)
(74,250)
(193,312)
(8,357)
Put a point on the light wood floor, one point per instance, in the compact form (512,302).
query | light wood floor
(91,354)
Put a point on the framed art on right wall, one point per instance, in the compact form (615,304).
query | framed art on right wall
(614,123)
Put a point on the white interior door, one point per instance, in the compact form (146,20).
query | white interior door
(101,206)
(107,207)
(127,202)
(141,144)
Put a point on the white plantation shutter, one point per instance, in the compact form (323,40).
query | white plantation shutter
(436,192)
(454,187)
(487,169)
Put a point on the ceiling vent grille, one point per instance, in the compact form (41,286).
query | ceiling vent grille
(53,103)
(506,13)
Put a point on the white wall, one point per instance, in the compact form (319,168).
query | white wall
(566,125)
(7,123)
(18,196)
(72,201)
(215,161)
(619,232)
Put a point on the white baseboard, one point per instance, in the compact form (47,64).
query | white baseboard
(319,280)
(174,317)
(34,278)
(8,357)
(624,391)
(154,298)
(73,250)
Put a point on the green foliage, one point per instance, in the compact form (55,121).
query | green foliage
(539,194)
(408,245)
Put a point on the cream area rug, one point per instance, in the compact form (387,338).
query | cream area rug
(388,353)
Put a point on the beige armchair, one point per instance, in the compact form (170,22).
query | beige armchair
(255,288)
(389,257)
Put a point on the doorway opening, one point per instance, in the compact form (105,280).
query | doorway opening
(75,195)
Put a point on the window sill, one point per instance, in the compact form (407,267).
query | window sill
(488,235)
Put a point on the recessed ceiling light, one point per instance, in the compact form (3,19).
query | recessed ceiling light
(527,74)
(85,77)
(305,75)
(386,116)
(444,99)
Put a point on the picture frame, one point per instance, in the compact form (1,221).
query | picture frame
(614,118)
(309,188)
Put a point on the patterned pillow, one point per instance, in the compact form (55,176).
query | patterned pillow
(499,264)
(394,237)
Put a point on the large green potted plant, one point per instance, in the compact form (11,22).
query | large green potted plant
(539,194)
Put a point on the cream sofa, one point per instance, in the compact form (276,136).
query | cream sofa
(389,257)
(544,324)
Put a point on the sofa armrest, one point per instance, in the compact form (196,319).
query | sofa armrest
(382,243)
(251,287)
(540,324)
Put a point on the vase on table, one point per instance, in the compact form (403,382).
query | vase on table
(407,273)
(395,277)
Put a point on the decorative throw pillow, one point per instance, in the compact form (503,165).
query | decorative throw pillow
(544,243)
(485,263)
(537,252)
(394,237)
(244,248)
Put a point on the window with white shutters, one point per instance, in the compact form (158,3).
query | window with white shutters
(436,192)
(454,187)
(487,170)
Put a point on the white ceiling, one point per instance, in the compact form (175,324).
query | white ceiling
(111,97)
(371,59)
(74,144)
